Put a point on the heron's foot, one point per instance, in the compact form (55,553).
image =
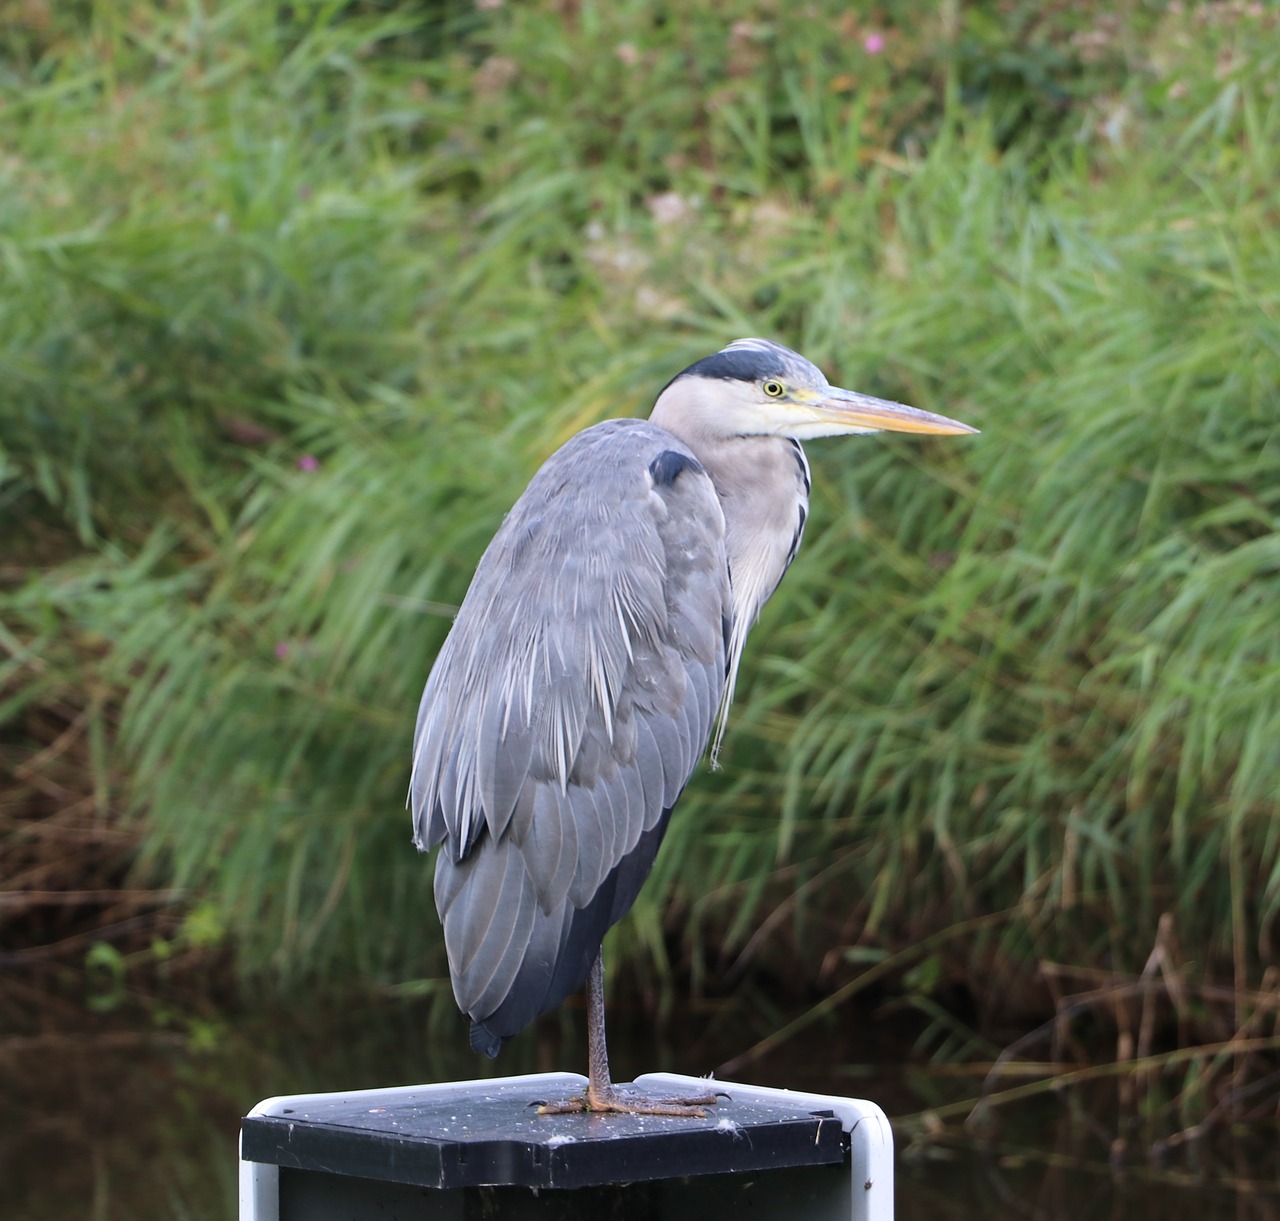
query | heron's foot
(612,1100)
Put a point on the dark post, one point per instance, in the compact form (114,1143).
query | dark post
(479,1148)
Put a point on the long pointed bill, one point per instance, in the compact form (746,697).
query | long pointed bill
(847,411)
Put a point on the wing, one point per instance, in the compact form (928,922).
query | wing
(565,713)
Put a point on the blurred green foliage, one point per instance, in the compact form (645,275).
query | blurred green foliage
(295,297)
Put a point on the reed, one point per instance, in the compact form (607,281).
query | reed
(298,296)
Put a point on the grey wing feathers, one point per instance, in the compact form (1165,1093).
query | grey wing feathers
(565,712)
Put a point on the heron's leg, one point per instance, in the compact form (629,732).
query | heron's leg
(599,1083)
(602,1094)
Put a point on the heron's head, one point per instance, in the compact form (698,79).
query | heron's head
(755,387)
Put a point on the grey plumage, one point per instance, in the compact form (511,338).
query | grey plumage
(597,644)
(565,713)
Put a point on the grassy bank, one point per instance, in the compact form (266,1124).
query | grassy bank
(297,297)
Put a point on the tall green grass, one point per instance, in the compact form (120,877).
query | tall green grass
(297,298)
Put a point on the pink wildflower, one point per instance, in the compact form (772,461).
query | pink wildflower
(873,44)
(308,462)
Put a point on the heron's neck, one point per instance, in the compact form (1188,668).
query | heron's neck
(763,485)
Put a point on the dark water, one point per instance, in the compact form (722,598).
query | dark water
(133,1120)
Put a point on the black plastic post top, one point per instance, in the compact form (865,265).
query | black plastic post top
(480,1133)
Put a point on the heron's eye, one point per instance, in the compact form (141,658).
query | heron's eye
(774,389)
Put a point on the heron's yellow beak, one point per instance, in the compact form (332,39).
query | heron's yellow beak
(847,411)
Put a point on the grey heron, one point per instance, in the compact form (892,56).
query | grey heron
(593,655)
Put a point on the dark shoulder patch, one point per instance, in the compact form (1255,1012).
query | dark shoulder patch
(668,464)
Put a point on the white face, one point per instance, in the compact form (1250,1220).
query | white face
(779,405)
